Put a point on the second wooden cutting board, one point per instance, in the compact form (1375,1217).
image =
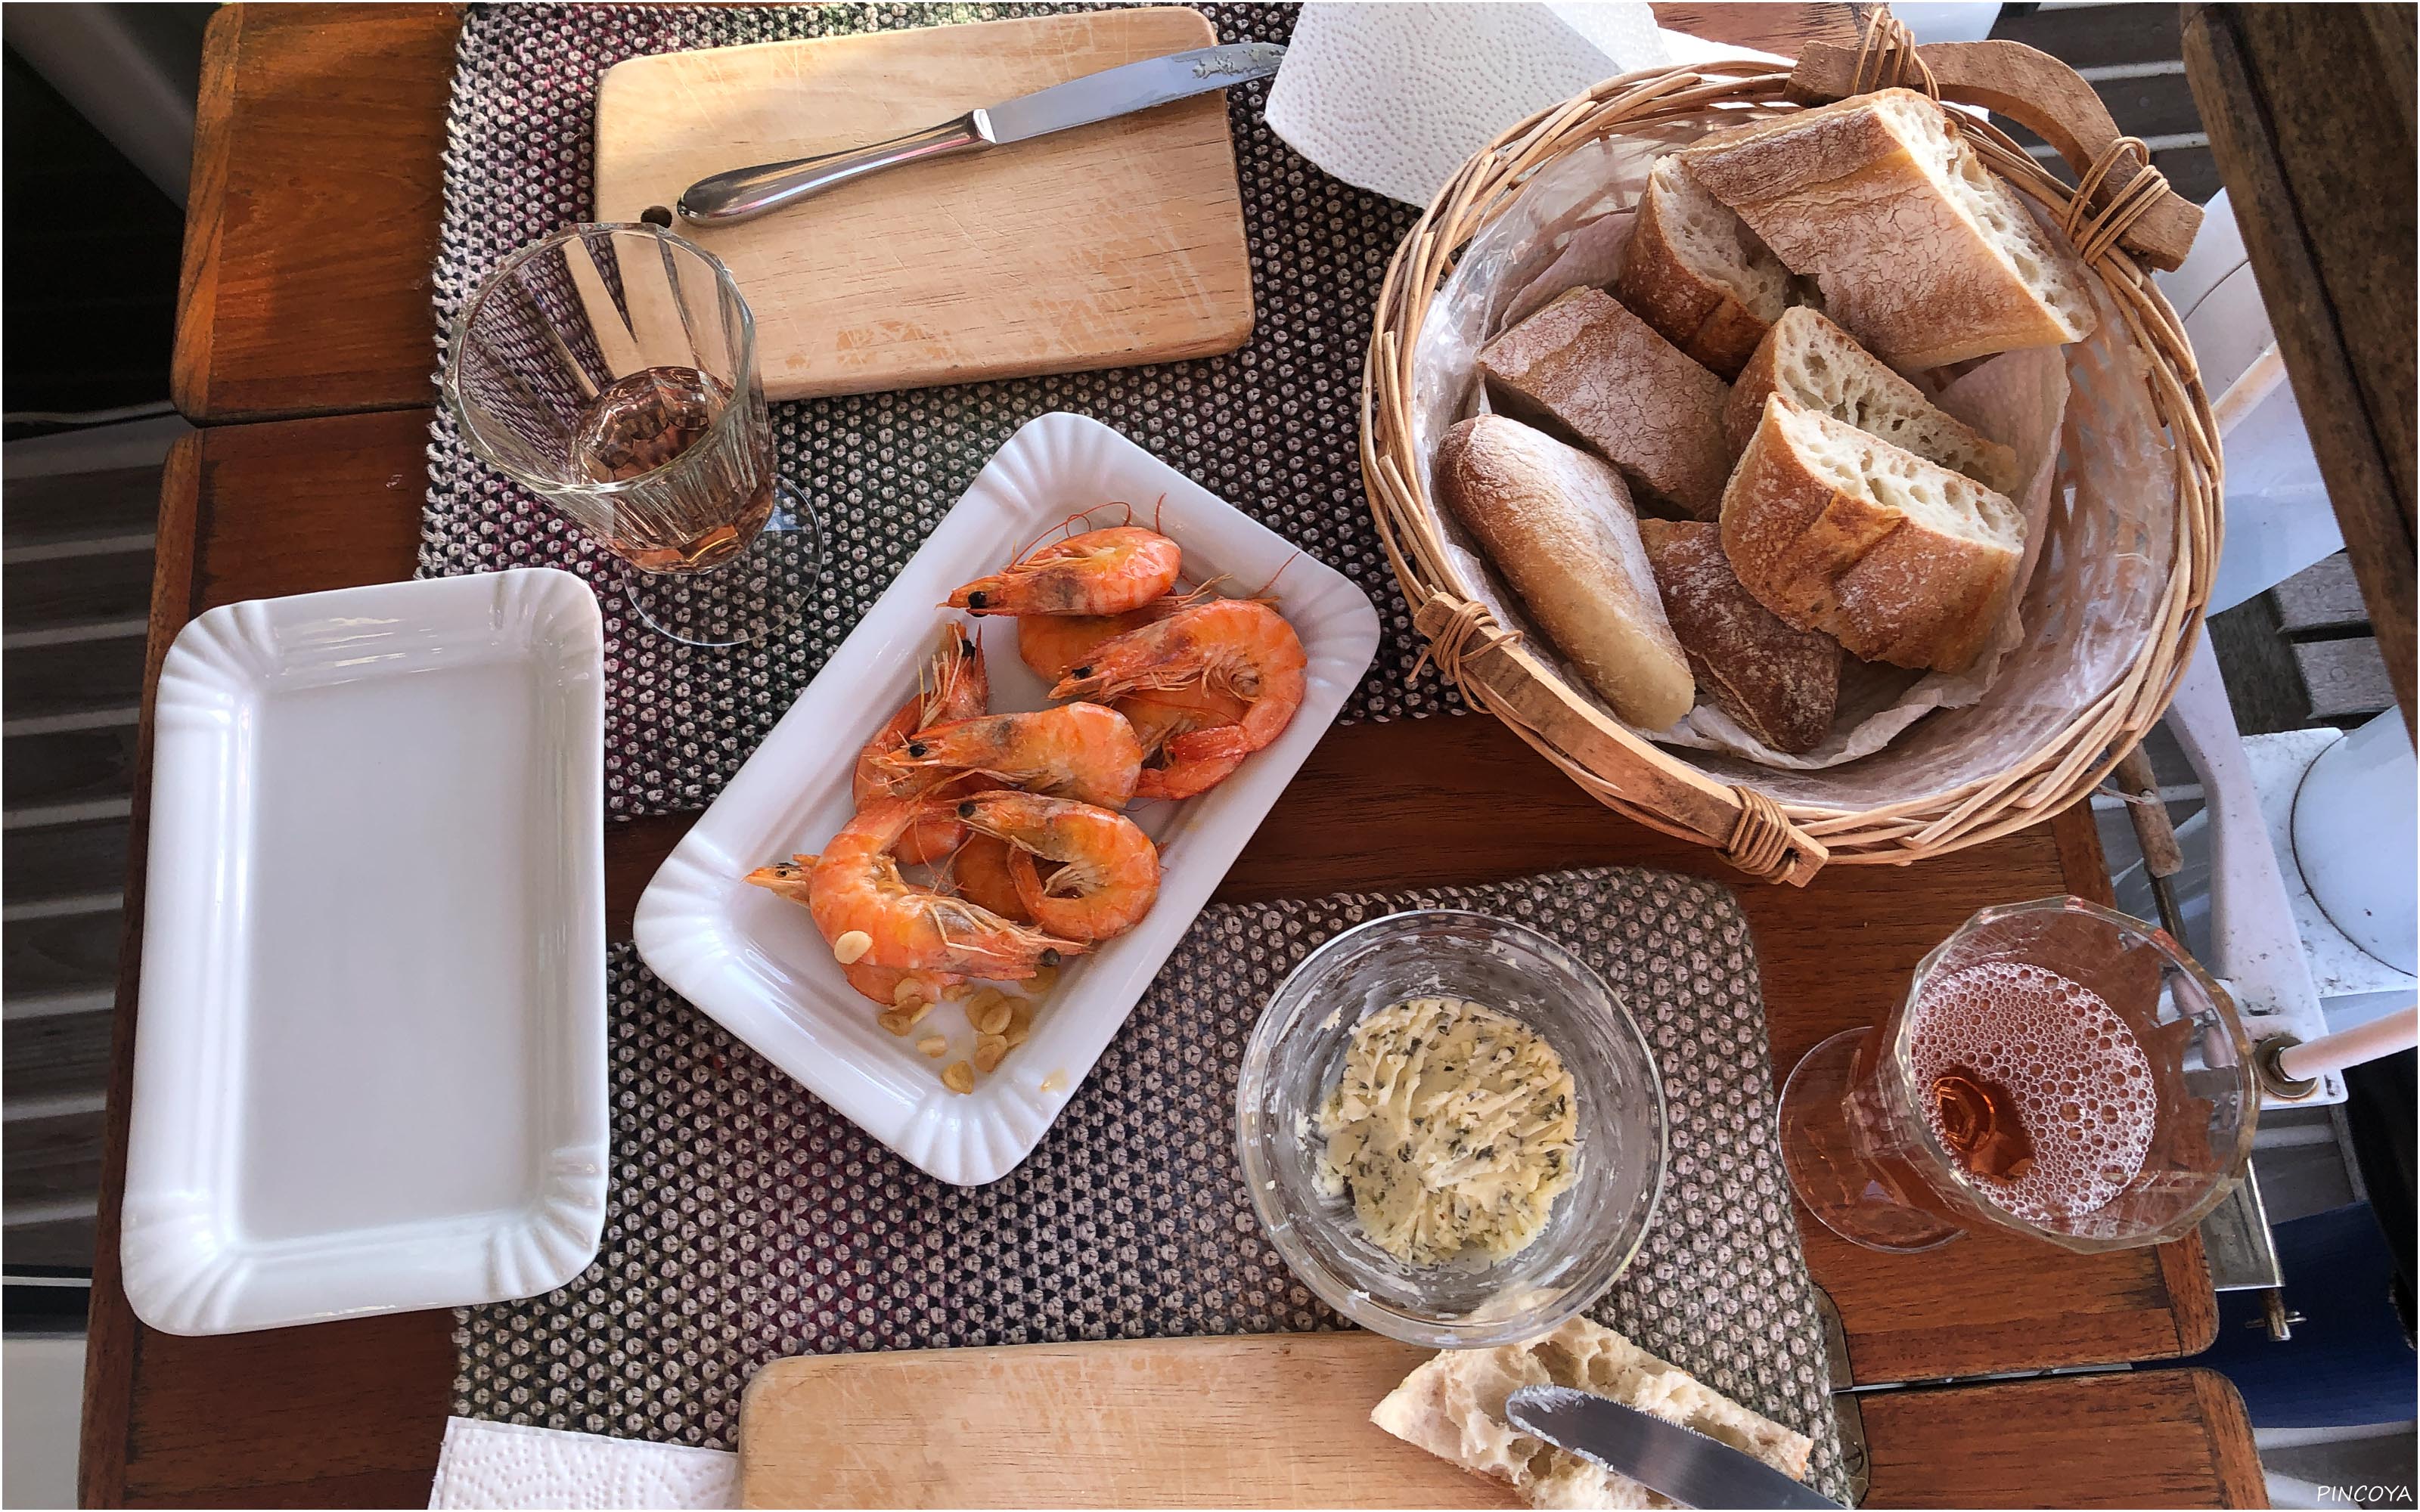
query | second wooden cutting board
(1117,242)
(1263,1420)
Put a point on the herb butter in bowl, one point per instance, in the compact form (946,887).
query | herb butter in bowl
(1451,1127)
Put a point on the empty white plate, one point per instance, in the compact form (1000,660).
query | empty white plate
(755,962)
(369,1060)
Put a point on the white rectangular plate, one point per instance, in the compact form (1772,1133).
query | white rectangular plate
(369,1065)
(755,962)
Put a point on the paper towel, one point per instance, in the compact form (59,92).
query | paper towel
(508,1465)
(1394,98)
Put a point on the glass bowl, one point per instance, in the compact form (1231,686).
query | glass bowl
(1297,1055)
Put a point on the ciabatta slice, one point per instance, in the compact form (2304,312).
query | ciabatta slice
(1899,559)
(1697,274)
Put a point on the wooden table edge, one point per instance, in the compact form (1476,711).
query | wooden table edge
(197,273)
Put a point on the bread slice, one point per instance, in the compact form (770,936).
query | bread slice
(1557,524)
(1816,366)
(1453,1406)
(1900,560)
(1781,684)
(1589,366)
(1697,274)
(1921,254)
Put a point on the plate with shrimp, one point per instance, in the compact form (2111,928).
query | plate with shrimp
(936,891)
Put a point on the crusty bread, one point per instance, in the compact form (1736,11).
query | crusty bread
(1817,366)
(1453,1406)
(1900,560)
(1781,684)
(1922,255)
(1589,366)
(1697,274)
(1557,524)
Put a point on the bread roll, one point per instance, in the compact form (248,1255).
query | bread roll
(1697,274)
(1590,367)
(1900,560)
(1921,254)
(1453,1406)
(1815,365)
(1557,524)
(1781,684)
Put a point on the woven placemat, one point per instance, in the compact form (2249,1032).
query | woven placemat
(1271,429)
(747,1221)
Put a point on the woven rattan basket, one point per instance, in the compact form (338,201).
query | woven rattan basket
(2124,221)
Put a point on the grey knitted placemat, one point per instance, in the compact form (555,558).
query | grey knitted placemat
(746,1221)
(1271,429)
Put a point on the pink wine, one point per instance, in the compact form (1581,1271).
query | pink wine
(643,422)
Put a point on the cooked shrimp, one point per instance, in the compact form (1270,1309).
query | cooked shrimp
(1099,572)
(792,879)
(1235,646)
(1106,873)
(1051,643)
(1081,750)
(955,686)
(1162,715)
(857,886)
(980,869)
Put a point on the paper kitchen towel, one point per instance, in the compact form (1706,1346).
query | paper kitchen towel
(508,1465)
(1395,98)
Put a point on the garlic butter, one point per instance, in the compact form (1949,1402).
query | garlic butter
(1451,1127)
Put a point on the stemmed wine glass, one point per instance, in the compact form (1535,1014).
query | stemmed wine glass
(612,370)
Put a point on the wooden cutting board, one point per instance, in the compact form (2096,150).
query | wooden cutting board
(1118,242)
(1263,1420)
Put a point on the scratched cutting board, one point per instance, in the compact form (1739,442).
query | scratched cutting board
(1263,1420)
(1113,243)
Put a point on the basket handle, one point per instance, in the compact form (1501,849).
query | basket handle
(1496,670)
(2033,88)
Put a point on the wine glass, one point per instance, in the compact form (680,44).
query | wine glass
(612,370)
(2055,1069)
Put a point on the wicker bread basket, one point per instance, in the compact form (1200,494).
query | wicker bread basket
(1784,826)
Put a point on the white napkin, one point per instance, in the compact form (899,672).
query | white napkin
(508,1465)
(1395,98)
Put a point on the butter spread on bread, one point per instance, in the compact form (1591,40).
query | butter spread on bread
(1922,254)
(1697,274)
(1778,682)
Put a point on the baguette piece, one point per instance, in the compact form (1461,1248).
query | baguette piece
(1588,365)
(1697,274)
(1816,366)
(1921,254)
(1453,1406)
(1900,560)
(1557,524)
(1781,684)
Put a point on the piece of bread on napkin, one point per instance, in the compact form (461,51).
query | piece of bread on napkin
(1453,1406)
(1697,274)
(1780,683)
(1558,525)
(1899,559)
(1817,366)
(1587,367)
(1920,251)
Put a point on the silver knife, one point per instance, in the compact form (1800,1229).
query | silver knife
(1666,1458)
(744,193)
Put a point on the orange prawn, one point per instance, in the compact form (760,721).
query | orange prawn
(856,886)
(1097,571)
(1235,646)
(791,879)
(955,686)
(1079,751)
(980,869)
(1107,871)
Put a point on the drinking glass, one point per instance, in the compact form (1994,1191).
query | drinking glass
(2055,1069)
(612,370)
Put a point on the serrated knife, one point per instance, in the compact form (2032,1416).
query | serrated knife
(1666,1458)
(744,193)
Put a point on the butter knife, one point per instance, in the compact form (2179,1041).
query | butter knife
(744,193)
(1666,1458)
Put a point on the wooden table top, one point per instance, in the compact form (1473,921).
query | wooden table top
(311,228)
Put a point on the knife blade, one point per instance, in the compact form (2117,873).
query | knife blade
(744,193)
(1666,1458)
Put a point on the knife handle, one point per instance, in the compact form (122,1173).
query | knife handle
(744,193)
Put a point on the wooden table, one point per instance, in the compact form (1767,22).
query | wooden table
(311,230)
